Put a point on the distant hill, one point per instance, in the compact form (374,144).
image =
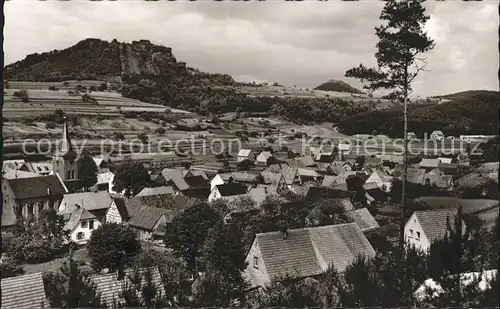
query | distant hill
(338,86)
(469,112)
(93,59)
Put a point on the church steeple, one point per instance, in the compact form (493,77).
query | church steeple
(66,140)
(66,149)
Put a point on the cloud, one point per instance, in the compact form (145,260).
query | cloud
(301,43)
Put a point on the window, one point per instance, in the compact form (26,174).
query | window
(91,224)
(80,235)
(256,262)
(418,235)
(38,168)
(84,224)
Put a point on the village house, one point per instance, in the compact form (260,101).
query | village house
(428,164)
(264,156)
(374,193)
(425,227)
(187,182)
(248,179)
(12,164)
(244,154)
(411,135)
(26,197)
(24,292)
(84,213)
(147,191)
(103,181)
(382,179)
(437,178)
(437,135)
(148,222)
(9,173)
(40,168)
(306,252)
(227,190)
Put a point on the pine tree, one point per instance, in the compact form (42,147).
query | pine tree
(401,40)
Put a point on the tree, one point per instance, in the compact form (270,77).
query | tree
(355,183)
(401,40)
(130,176)
(186,234)
(87,171)
(119,136)
(143,137)
(238,112)
(360,162)
(113,246)
(71,288)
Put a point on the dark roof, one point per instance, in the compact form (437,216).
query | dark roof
(433,222)
(122,208)
(316,193)
(196,181)
(182,202)
(34,187)
(156,191)
(111,288)
(309,251)
(233,188)
(25,291)
(143,216)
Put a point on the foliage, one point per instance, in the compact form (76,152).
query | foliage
(119,136)
(326,212)
(186,234)
(113,246)
(130,176)
(143,137)
(160,131)
(71,288)
(37,242)
(87,171)
(141,291)
(338,86)
(9,268)
(50,125)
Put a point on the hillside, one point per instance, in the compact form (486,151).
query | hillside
(338,86)
(470,112)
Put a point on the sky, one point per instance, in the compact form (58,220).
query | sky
(293,43)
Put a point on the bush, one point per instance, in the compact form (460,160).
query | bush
(65,84)
(119,136)
(115,124)
(20,93)
(93,88)
(50,125)
(160,131)
(53,88)
(146,129)
(9,269)
(70,92)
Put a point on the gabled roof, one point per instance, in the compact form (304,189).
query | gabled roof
(40,167)
(143,216)
(304,172)
(9,173)
(329,181)
(88,200)
(196,181)
(34,187)
(289,174)
(433,222)
(176,176)
(78,215)
(98,161)
(156,191)
(445,160)
(239,176)
(122,208)
(264,156)
(230,189)
(244,152)
(182,202)
(13,164)
(110,288)
(24,292)
(337,245)
(437,132)
(429,163)
(363,218)
(414,175)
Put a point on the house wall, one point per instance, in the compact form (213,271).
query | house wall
(411,238)
(112,215)
(67,170)
(217,180)
(84,228)
(33,207)
(8,200)
(257,274)
(214,195)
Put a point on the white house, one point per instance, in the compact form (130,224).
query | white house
(382,179)
(411,135)
(437,135)
(243,177)
(244,154)
(425,227)
(227,190)
(263,157)
(83,213)
(81,225)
